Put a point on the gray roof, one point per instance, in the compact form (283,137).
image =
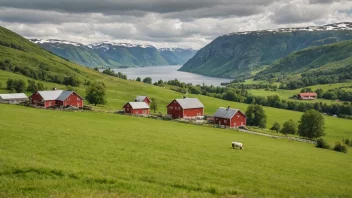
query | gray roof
(64,95)
(139,105)
(13,96)
(55,94)
(140,98)
(227,113)
(190,103)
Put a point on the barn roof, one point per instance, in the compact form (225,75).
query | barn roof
(227,113)
(190,103)
(140,98)
(60,95)
(139,105)
(13,96)
(308,94)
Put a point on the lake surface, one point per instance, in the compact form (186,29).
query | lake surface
(166,73)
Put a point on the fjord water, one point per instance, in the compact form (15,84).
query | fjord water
(166,73)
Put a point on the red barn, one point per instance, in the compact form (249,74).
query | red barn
(56,98)
(229,117)
(136,108)
(185,108)
(307,96)
(142,99)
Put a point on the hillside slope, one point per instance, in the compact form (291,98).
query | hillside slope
(18,55)
(333,57)
(239,54)
(110,54)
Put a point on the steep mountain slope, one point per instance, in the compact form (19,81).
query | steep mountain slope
(238,54)
(72,51)
(109,54)
(177,56)
(327,57)
(18,55)
(125,54)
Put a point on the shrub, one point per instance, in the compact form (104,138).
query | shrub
(276,127)
(340,147)
(321,143)
(289,127)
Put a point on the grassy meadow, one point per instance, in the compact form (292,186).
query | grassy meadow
(121,91)
(46,153)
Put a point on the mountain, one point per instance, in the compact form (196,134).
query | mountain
(72,51)
(177,56)
(110,54)
(326,60)
(244,53)
(18,55)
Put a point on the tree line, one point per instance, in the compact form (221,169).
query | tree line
(343,110)
(42,73)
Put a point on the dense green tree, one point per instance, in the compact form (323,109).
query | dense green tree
(311,124)
(319,92)
(96,93)
(195,90)
(276,127)
(16,85)
(256,116)
(72,80)
(154,104)
(138,79)
(32,86)
(147,80)
(289,127)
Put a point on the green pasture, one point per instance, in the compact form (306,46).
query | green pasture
(45,153)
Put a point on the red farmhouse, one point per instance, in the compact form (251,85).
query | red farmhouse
(307,96)
(229,117)
(143,99)
(136,108)
(56,98)
(185,108)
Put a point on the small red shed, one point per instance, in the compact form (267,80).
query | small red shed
(136,108)
(229,117)
(142,99)
(307,96)
(185,108)
(56,98)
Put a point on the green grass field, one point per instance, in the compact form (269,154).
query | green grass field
(46,153)
(121,91)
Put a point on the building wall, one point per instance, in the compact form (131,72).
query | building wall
(222,121)
(127,108)
(36,99)
(146,100)
(175,110)
(72,100)
(237,120)
(140,111)
(193,112)
(50,103)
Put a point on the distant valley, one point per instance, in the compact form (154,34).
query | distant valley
(115,55)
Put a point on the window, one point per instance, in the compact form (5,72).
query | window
(225,121)
(171,107)
(127,109)
(49,103)
(78,99)
(216,119)
(42,100)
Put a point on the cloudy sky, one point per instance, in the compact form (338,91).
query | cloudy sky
(162,23)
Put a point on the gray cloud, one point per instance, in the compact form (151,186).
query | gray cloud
(163,23)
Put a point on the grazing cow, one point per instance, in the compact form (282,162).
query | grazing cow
(237,144)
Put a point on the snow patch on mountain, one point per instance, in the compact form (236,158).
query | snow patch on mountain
(63,42)
(108,45)
(175,49)
(330,27)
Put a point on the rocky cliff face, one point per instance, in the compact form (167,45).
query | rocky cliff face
(244,53)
